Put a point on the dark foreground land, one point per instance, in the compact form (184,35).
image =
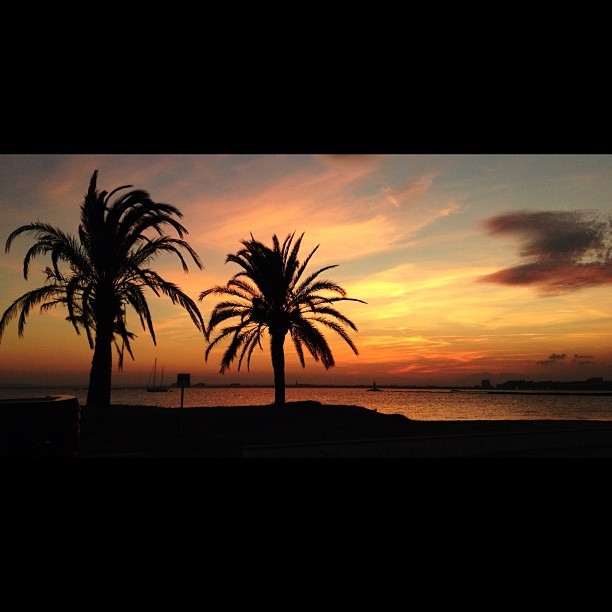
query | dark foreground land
(310,429)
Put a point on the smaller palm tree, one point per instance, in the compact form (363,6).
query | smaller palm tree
(270,295)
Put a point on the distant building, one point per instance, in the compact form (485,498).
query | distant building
(595,383)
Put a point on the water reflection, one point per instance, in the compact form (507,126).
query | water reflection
(422,404)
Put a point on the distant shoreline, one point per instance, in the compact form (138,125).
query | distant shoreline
(587,387)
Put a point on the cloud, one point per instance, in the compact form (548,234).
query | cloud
(567,250)
(583,359)
(331,202)
(400,195)
(552,359)
(557,359)
(370,159)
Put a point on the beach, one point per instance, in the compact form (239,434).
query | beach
(311,429)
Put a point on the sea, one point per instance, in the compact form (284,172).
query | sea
(419,404)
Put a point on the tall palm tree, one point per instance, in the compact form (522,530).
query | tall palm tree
(107,270)
(270,294)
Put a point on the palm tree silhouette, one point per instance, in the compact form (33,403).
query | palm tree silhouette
(107,271)
(277,299)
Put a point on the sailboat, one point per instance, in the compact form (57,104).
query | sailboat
(374,388)
(155,388)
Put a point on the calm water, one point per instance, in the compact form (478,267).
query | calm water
(419,404)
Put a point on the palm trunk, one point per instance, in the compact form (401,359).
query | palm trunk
(99,391)
(278,364)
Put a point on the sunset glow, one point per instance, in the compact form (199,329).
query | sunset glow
(472,266)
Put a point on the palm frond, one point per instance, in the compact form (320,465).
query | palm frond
(219,290)
(252,338)
(298,349)
(223,313)
(339,330)
(308,287)
(332,312)
(302,267)
(315,342)
(22,306)
(232,350)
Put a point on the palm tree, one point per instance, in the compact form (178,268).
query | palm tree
(269,294)
(107,270)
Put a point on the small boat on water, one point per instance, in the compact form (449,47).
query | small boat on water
(155,388)
(374,388)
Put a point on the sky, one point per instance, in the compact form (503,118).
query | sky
(471,266)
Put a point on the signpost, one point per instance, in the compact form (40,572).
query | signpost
(182,381)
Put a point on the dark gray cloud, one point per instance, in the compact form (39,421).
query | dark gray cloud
(583,359)
(565,250)
(552,359)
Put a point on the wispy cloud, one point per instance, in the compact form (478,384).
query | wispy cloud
(396,196)
(332,203)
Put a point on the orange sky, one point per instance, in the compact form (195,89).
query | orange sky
(413,235)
